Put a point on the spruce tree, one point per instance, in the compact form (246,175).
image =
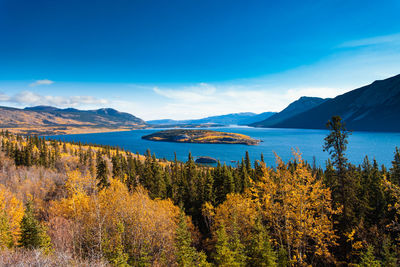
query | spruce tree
(260,250)
(247,162)
(224,256)
(102,173)
(6,240)
(33,234)
(389,258)
(229,252)
(368,259)
(395,170)
(114,249)
(343,184)
(186,254)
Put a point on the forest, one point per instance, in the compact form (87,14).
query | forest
(68,203)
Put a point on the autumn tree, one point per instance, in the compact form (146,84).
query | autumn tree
(297,208)
(11,214)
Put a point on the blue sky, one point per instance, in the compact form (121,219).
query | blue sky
(189,59)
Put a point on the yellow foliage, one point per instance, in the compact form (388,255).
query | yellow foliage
(236,209)
(297,207)
(13,210)
(148,224)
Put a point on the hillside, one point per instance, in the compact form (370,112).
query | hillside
(375,107)
(301,105)
(243,118)
(51,120)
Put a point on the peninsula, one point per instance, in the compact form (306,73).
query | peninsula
(201,137)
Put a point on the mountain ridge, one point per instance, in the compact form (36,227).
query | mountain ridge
(52,120)
(373,107)
(302,104)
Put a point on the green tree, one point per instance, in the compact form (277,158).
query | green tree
(33,233)
(6,240)
(113,248)
(341,181)
(186,254)
(229,252)
(260,250)
(102,173)
(368,259)
(395,170)
(283,258)
(388,257)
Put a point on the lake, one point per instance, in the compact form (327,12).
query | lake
(380,146)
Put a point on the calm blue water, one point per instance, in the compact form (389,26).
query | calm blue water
(281,141)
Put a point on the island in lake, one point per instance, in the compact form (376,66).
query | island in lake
(201,137)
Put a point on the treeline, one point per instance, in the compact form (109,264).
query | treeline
(101,203)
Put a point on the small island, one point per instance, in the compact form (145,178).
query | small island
(201,137)
(206,160)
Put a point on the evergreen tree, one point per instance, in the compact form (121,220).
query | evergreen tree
(186,255)
(283,259)
(114,249)
(247,162)
(229,252)
(6,240)
(102,173)
(395,170)
(388,257)
(208,194)
(368,259)
(260,250)
(229,182)
(224,256)
(33,234)
(342,182)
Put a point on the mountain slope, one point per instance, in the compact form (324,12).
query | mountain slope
(302,104)
(49,120)
(375,107)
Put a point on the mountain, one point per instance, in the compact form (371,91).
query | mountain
(375,107)
(303,104)
(256,118)
(243,118)
(51,120)
(165,122)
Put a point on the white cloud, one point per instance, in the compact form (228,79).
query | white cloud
(28,98)
(4,97)
(41,82)
(207,100)
(377,40)
(192,94)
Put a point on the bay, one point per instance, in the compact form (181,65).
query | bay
(378,145)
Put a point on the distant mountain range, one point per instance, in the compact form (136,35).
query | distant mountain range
(375,107)
(51,120)
(244,118)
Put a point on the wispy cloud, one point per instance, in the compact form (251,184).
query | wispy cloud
(377,40)
(4,97)
(206,99)
(41,82)
(28,98)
